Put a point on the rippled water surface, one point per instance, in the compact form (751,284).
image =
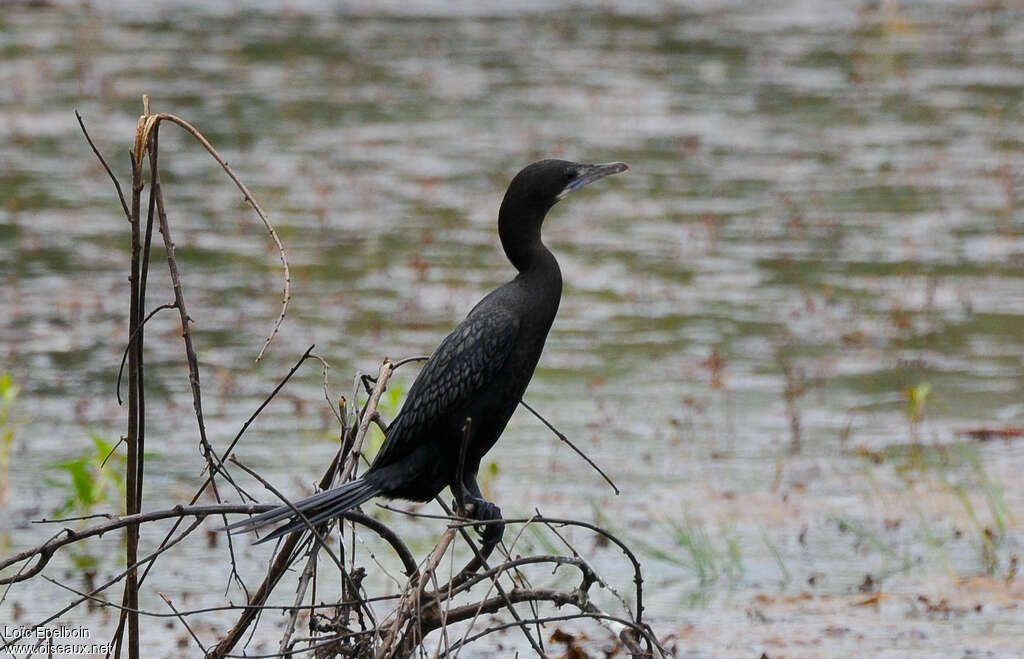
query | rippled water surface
(823,213)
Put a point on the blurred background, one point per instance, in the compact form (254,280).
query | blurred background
(776,329)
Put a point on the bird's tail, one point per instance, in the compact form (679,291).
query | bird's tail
(317,508)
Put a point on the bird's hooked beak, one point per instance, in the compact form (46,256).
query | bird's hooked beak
(589,173)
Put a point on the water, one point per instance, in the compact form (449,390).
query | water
(829,192)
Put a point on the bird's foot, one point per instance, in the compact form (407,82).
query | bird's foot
(485,511)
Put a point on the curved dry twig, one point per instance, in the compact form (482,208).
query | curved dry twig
(128,346)
(147,123)
(338,414)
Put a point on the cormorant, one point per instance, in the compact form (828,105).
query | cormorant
(479,372)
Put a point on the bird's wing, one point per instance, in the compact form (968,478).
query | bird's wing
(462,365)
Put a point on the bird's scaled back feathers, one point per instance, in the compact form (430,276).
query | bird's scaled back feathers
(466,361)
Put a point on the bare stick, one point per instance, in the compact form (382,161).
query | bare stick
(131,339)
(565,439)
(307,574)
(99,601)
(131,584)
(9,582)
(382,378)
(280,565)
(474,563)
(183,622)
(140,330)
(383,375)
(295,511)
(186,334)
(495,575)
(68,536)
(136,438)
(416,612)
(327,393)
(148,124)
(465,579)
(576,554)
(117,184)
(409,360)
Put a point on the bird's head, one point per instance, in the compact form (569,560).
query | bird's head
(532,193)
(542,184)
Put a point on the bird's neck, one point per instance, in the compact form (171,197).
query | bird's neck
(520,238)
(539,273)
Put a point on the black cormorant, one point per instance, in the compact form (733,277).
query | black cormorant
(479,372)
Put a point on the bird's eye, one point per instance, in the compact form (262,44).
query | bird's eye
(571,174)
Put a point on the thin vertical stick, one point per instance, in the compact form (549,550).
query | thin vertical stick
(141,328)
(131,586)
